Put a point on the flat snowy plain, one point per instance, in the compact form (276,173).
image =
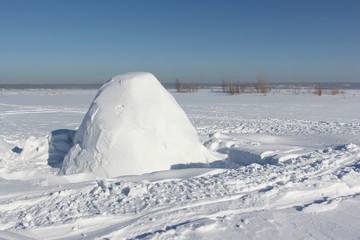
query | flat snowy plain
(306,184)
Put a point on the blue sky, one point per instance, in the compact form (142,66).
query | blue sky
(74,41)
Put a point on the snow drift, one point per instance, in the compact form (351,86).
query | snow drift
(133,126)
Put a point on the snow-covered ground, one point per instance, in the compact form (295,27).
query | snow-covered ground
(292,172)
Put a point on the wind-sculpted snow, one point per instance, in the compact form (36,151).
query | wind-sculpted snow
(313,182)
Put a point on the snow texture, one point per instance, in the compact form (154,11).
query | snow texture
(291,171)
(133,126)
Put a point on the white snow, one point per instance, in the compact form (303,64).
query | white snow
(134,126)
(5,149)
(309,190)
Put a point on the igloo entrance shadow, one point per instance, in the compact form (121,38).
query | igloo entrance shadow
(60,142)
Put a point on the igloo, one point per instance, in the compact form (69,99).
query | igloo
(133,126)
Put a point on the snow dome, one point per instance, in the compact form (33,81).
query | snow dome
(133,126)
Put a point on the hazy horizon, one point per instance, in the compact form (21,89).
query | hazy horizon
(210,80)
(172,85)
(75,42)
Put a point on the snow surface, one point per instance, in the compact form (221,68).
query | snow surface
(134,126)
(304,184)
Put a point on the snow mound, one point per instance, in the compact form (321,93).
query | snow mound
(133,126)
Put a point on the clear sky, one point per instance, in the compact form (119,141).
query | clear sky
(75,41)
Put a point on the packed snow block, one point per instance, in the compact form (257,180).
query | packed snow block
(133,126)
(239,157)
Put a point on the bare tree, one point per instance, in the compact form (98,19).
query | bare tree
(318,90)
(231,87)
(262,85)
(177,85)
(296,90)
(223,86)
(334,90)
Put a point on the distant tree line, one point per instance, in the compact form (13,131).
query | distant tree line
(332,90)
(231,87)
(185,87)
(261,86)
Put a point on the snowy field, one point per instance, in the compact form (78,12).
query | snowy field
(289,168)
